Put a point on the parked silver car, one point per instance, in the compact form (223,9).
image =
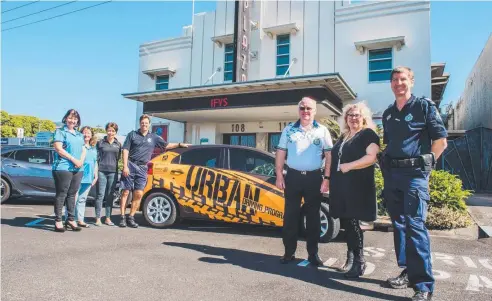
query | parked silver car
(26,172)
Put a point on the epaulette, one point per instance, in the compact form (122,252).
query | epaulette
(428,100)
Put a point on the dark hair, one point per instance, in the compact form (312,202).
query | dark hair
(112,125)
(93,140)
(143,117)
(402,69)
(75,114)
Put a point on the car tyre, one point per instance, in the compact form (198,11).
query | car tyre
(6,190)
(159,210)
(330,227)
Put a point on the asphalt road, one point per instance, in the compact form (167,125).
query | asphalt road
(208,261)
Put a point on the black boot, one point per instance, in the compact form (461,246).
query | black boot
(131,222)
(399,282)
(359,265)
(348,263)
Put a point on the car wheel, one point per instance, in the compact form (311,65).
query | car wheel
(330,227)
(159,210)
(5,188)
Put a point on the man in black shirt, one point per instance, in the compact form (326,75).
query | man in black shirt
(137,151)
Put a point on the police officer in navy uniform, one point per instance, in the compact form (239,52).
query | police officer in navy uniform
(304,143)
(415,137)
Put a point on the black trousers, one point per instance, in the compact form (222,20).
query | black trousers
(67,184)
(355,236)
(297,187)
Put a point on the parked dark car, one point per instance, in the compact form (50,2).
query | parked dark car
(26,172)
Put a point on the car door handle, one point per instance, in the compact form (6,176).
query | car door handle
(13,165)
(177,172)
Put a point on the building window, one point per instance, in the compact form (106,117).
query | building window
(162,82)
(228,61)
(380,64)
(283,54)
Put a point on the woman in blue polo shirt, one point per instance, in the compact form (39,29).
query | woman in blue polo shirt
(89,177)
(69,158)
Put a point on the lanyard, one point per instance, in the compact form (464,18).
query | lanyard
(340,151)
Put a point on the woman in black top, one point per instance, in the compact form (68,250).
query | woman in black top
(352,184)
(108,155)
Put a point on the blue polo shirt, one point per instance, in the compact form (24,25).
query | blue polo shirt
(409,133)
(89,164)
(305,148)
(72,143)
(140,147)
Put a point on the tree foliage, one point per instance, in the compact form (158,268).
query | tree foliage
(98,130)
(333,127)
(30,124)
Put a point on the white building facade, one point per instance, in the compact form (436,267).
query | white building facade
(337,51)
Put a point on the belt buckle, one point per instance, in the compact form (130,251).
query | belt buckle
(303,172)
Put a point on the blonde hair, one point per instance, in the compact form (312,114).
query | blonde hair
(365,113)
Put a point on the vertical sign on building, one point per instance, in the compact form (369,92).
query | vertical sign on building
(242,30)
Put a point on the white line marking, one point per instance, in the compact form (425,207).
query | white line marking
(469,262)
(330,262)
(303,263)
(370,267)
(441,275)
(473,284)
(485,263)
(373,252)
(446,258)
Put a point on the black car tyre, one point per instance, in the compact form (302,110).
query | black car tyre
(6,190)
(330,227)
(159,210)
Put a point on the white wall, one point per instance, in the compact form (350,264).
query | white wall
(383,20)
(324,44)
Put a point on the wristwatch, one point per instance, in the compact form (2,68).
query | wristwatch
(326,177)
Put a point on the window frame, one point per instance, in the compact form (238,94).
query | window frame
(220,160)
(369,60)
(166,82)
(48,162)
(226,62)
(277,55)
(230,149)
(270,146)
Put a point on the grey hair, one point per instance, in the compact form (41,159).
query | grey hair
(307,98)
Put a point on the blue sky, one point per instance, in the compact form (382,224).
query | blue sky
(87,59)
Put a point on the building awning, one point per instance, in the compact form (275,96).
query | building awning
(439,81)
(277,94)
(159,72)
(398,42)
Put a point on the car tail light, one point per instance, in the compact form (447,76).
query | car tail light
(150,168)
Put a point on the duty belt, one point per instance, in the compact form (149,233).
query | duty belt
(412,162)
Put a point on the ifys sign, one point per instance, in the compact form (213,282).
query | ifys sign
(242,30)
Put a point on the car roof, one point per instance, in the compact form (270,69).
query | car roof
(205,146)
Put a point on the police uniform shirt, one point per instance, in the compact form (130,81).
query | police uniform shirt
(305,148)
(409,133)
(141,147)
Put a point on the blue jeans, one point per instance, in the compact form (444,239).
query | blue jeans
(81,201)
(105,187)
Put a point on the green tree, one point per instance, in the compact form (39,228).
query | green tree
(98,130)
(30,124)
(333,127)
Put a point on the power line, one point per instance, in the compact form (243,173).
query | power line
(39,12)
(20,6)
(57,16)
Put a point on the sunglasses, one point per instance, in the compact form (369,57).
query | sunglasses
(305,109)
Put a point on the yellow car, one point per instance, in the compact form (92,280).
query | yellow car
(219,182)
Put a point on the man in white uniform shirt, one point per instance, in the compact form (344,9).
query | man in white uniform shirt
(304,141)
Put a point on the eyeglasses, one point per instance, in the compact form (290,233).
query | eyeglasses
(305,109)
(356,116)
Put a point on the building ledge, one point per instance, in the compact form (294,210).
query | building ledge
(159,72)
(223,39)
(273,31)
(362,46)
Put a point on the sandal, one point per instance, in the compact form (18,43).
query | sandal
(110,223)
(83,225)
(98,223)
